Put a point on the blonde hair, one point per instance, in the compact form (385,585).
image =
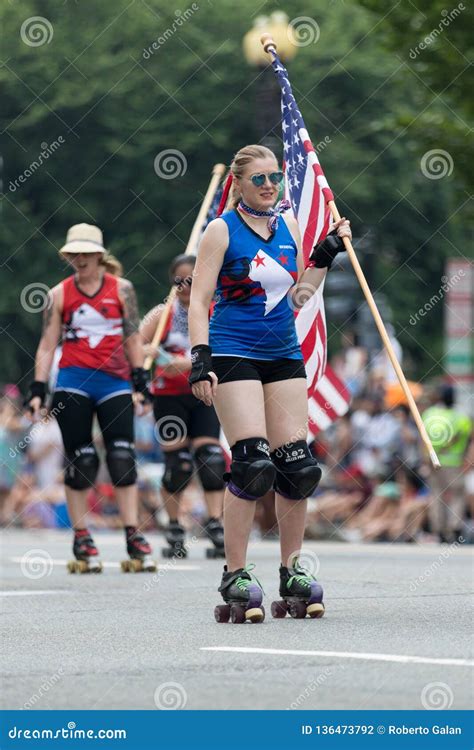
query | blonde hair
(108,261)
(241,159)
(111,264)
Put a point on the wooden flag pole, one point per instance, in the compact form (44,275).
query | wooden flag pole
(386,341)
(268,44)
(217,175)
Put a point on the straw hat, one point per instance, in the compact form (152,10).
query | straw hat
(84,238)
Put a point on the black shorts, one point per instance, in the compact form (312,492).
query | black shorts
(229,368)
(75,414)
(179,417)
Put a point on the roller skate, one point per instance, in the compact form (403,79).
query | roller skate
(243,596)
(300,593)
(86,554)
(139,551)
(174,535)
(215,532)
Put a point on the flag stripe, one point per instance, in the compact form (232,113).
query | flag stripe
(309,193)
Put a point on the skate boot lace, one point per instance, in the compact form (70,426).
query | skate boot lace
(242,582)
(301,576)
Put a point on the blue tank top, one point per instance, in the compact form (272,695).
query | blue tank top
(253,316)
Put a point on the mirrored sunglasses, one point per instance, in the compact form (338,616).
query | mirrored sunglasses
(274,177)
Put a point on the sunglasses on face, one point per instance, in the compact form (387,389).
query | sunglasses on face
(180,280)
(259,179)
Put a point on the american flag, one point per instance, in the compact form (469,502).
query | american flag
(309,193)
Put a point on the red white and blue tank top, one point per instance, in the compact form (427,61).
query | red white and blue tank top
(253,316)
(175,341)
(93,328)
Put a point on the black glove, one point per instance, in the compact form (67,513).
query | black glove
(201,362)
(324,252)
(37,390)
(140,382)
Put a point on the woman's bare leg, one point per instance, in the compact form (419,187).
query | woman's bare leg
(239,421)
(286,413)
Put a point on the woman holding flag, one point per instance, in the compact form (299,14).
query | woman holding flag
(248,361)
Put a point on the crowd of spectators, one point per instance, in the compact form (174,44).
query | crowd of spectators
(377,483)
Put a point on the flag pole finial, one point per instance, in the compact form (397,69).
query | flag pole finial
(268,42)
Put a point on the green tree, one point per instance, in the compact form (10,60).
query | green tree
(117,102)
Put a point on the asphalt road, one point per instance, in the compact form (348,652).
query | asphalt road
(116,641)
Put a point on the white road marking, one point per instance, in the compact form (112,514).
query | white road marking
(399,658)
(32,593)
(168,566)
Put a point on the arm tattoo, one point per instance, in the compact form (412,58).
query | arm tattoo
(48,313)
(131,318)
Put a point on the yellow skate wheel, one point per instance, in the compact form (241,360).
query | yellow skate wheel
(125,566)
(150,567)
(71,566)
(255,614)
(315,610)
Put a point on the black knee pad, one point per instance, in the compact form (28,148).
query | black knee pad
(252,472)
(210,465)
(81,468)
(122,463)
(297,471)
(178,470)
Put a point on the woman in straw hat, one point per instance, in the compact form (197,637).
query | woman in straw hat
(96,312)
(248,360)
